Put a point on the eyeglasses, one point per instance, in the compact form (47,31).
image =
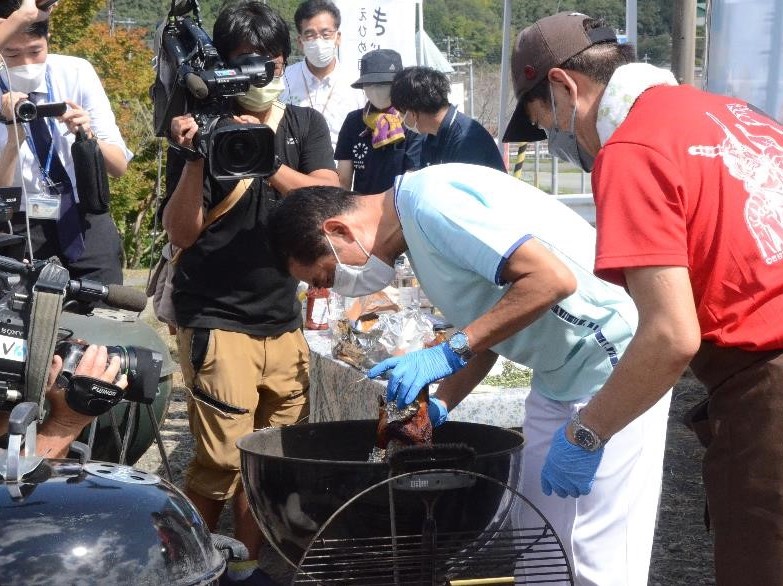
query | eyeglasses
(326,33)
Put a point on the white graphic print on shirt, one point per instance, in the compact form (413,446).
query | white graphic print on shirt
(760,168)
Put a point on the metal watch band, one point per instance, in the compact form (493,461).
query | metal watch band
(585,437)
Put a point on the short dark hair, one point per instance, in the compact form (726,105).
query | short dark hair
(421,89)
(295,225)
(598,62)
(311,8)
(37,29)
(254,23)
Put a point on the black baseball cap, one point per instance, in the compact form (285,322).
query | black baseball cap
(547,43)
(378,66)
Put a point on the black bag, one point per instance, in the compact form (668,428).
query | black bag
(92,180)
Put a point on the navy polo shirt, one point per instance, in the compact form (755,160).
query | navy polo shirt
(374,170)
(461,139)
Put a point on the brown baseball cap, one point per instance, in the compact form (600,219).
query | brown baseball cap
(543,45)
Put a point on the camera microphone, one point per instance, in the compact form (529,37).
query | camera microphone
(196,86)
(117,296)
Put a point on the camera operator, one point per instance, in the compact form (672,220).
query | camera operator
(240,343)
(63,425)
(87,244)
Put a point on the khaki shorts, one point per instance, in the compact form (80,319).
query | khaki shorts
(242,384)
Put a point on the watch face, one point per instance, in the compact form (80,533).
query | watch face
(458,342)
(585,439)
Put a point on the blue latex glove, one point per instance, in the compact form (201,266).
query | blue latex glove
(569,469)
(412,372)
(437,411)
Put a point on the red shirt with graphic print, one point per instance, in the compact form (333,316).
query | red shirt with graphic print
(695,179)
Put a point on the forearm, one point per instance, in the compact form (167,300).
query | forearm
(183,216)
(287,179)
(345,174)
(53,439)
(21,18)
(9,157)
(114,157)
(454,389)
(667,338)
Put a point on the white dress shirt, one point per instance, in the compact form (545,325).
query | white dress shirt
(332,96)
(72,78)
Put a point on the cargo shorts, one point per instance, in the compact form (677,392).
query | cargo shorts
(238,383)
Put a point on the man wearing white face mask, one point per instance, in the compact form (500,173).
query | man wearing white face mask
(241,347)
(511,267)
(374,146)
(319,81)
(37,155)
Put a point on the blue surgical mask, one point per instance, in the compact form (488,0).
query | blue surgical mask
(563,144)
(353,281)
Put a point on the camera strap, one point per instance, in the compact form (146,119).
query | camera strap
(221,209)
(48,294)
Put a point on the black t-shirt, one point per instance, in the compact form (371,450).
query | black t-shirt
(374,170)
(228,279)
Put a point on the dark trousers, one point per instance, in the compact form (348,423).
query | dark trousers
(102,258)
(743,465)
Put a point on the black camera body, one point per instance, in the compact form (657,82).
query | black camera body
(18,284)
(193,78)
(27,111)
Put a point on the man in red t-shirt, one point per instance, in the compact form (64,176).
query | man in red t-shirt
(688,189)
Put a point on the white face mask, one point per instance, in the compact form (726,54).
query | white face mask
(413,128)
(27,78)
(260,99)
(320,52)
(379,95)
(352,281)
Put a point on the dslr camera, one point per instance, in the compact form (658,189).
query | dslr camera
(193,78)
(27,317)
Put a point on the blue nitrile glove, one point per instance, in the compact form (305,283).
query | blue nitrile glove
(412,372)
(569,469)
(437,411)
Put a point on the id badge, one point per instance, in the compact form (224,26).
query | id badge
(43,207)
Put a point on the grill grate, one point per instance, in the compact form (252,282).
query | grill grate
(498,552)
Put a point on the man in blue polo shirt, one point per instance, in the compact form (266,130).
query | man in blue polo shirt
(511,267)
(421,96)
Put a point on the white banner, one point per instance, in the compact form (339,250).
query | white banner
(376,24)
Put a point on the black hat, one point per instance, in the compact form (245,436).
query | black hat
(546,44)
(379,66)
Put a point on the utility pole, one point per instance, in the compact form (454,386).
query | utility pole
(110,16)
(684,40)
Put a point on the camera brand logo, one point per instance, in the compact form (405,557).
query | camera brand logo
(103,391)
(11,348)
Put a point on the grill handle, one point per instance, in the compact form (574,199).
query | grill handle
(437,456)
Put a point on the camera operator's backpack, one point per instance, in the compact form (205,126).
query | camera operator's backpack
(92,180)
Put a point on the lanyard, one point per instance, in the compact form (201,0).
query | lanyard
(307,89)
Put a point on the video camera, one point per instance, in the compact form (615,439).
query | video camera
(22,289)
(27,111)
(193,78)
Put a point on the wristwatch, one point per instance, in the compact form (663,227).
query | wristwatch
(458,342)
(584,436)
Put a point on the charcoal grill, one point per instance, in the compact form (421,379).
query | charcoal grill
(445,515)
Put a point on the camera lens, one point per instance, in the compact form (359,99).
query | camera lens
(242,150)
(25,110)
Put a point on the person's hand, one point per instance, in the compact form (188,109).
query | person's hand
(76,116)
(412,372)
(246,119)
(184,130)
(8,103)
(437,411)
(92,364)
(569,469)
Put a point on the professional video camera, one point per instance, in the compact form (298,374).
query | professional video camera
(31,298)
(193,78)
